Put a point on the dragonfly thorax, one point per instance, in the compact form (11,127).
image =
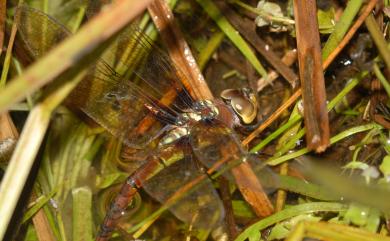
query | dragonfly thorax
(203,110)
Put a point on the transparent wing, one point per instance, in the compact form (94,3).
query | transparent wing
(120,106)
(200,206)
(135,53)
(38,31)
(122,103)
(217,147)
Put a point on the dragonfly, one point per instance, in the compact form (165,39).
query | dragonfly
(151,101)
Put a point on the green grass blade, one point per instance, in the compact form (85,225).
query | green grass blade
(289,213)
(341,27)
(233,35)
(82,214)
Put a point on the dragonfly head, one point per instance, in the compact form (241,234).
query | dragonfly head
(243,102)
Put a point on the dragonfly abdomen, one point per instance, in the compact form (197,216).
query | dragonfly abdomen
(121,202)
(117,209)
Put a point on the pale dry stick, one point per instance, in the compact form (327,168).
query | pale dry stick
(25,152)
(99,30)
(89,38)
(9,135)
(325,65)
(8,138)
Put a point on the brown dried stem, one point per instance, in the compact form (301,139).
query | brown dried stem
(8,137)
(227,203)
(325,65)
(3,4)
(248,29)
(311,75)
(178,48)
(272,118)
(180,53)
(42,225)
(288,59)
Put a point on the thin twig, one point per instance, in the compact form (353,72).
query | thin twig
(272,118)
(248,30)
(367,10)
(213,11)
(342,26)
(288,59)
(325,65)
(3,4)
(8,55)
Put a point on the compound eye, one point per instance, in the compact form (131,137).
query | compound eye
(244,109)
(229,94)
(243,102)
